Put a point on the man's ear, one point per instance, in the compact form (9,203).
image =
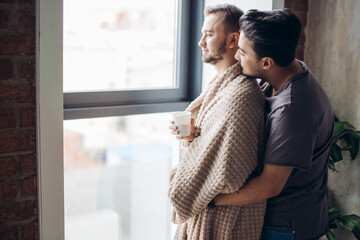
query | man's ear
(234,39)
(267,63)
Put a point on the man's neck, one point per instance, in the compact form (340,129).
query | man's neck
(223,65)
(280,75)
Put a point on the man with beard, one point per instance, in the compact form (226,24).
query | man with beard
(299,130)
(221,153)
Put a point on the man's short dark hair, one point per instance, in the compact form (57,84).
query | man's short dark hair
(274,34)
(232,15)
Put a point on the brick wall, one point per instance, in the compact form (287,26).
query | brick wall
(18,176)
(300,8)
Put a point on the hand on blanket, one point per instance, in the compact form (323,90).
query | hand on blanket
(175,131)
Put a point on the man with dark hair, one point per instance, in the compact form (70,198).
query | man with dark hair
(299,130)
(222,150)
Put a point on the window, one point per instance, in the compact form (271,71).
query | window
(123,75)
(124,59)
(116,177)
(119,45)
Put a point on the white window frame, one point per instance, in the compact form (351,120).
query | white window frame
(49,122)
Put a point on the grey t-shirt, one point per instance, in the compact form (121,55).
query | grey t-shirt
(299,130)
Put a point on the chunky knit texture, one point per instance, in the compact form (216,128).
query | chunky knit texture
(229,118)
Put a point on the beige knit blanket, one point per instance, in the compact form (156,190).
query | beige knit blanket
(229,116)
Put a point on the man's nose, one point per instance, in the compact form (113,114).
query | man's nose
(201,43)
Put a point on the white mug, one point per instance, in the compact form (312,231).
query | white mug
(182,121)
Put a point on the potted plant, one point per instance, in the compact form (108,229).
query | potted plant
(344,132)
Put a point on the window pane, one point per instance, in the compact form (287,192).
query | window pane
(116,177)
(118,44)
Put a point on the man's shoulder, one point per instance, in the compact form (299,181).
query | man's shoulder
(241,93)
(246,86)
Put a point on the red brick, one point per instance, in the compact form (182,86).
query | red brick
(17,44)
(6,70)
(17,38)
(17,94)
(296,5)
(27,117)
(27,19)
(7,1)
(12,142)
(28,186)
(30,231)
(7,118)
(32,2)
(8,167)
(9,233)
(18,211)
(8,189)
(27,70)
(4,18)
(28,164)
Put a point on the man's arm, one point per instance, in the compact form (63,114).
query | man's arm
(268,184)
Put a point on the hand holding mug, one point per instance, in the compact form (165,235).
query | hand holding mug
(183,126)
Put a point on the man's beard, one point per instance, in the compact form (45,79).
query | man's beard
(254,75)
(216,57)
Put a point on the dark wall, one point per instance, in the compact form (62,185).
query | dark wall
(18,176)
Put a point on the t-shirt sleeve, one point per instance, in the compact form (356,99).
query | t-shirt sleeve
(291,139)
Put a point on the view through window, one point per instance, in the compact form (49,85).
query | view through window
(116,168)
(116,177)
(118,44)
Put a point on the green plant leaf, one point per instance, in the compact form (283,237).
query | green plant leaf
(347,131)
(333,210)
(341,129)
(356,134)
(333,213)
(330,235)
(345,124)
(336,153)
(342,135)
(352,145)
(331,165)
(333,226)
(350,222)
(354,219)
